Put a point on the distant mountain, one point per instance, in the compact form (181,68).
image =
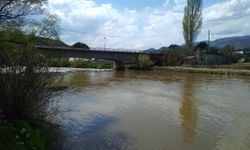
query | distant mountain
(238,42)
(150,50)
(50,42)
(153,50)
(58,43)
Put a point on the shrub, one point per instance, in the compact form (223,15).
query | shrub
(25,91)
(76,63)
(174,56)
(144,61)
(20,135)
(58,62)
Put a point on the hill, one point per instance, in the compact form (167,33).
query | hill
(58,43)
(150,50)
(238,42)
(80,45)
(50,42)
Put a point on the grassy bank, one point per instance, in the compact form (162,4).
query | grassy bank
(234,72)
(238,66)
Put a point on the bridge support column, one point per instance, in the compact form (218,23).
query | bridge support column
(119,66)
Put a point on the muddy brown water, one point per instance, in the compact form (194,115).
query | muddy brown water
(155,110)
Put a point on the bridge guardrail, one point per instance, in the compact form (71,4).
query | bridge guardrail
(91,48)
(101,49)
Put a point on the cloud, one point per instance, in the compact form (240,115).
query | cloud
(151,27)
(122,28)
(179,5)
(228,18)
(227,10)
(166,3)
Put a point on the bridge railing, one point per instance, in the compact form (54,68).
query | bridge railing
(101,49)
(115,49)
(91,48)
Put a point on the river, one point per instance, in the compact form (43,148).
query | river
(155,110)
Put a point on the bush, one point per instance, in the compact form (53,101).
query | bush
(144,61)
(58,62)
(25,91)
(20,135)
(174,56)
(76,63)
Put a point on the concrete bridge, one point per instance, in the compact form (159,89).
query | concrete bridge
(119,57)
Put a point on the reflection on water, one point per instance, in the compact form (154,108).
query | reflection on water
(188,110)
(95,136)
(145,110)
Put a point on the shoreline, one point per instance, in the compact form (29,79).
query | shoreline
(229,72)
(215,71)
(71,69)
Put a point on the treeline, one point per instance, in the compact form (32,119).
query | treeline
(78,63)
(174,54)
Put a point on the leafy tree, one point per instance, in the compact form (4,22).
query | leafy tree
(202,45)
(174,46)
(163,49)
(144,61)
(213,50)
(246,50)
(227,50)
(192,21)
(174,55)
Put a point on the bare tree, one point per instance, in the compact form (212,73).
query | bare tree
(17,10)
(192,21)
(47,28)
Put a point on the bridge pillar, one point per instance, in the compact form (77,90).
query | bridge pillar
(119,66)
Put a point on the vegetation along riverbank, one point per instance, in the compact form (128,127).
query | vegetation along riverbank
(28,109)
(234,72)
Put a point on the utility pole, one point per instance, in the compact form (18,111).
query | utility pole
(208,40)
(104,44)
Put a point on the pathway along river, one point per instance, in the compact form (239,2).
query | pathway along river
(155,110)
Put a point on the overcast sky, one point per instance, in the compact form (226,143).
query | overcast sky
(143,24)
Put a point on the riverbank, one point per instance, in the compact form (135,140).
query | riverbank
(70,69)
(237,66)
(233,72)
